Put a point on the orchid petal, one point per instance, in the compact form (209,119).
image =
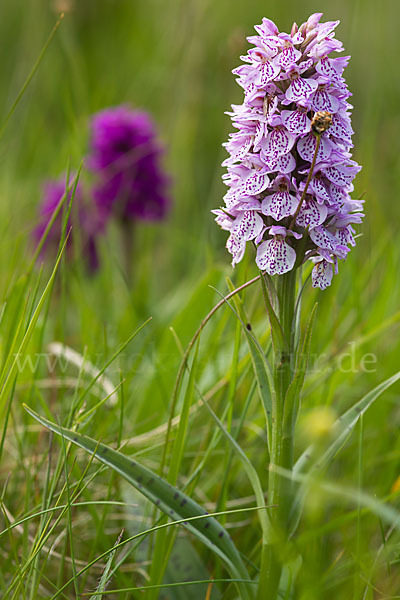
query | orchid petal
(337,194)
(255,184)
(340,175)
(324,238)
(267,72)
(345,236)
(248,225)
(288,56)
(319,190)
(322,274)
(279,205)
(324,101)
(296,121)
(341,131)
(311,214)
(277,143)
(325,67)
(300,89)
(260,132)
(236,247)
(306,148)
(270,163)
(275,256)
(286,164)
(241,148)
(278,230)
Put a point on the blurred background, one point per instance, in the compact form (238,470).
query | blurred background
(176,62)
(175,59)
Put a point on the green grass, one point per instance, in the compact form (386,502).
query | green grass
(61,511)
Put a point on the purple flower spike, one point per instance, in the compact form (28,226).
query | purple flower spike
(290,171)
(125,158)
(81,218)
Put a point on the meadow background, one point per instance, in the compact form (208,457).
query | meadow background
(175,60)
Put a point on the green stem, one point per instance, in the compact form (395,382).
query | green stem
(282,429)
(310,174)
(281,447)
(127,230)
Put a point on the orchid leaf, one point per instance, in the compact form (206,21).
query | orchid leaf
(292,399)
(261,367)
(277,335)
(166,497)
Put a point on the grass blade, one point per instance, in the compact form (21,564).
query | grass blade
(344,426)
(31,74)
(8,376)
(104,579)
(262,369)
(166,497)
(343,429)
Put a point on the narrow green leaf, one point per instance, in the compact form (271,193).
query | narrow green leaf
(180,584)
(383,510)
(262,369)
(292,399)
(183,364)
(166,497)
(99,373)
(179,443)
(105,577)
(344,426)
(7,377)
(162,549)
(186,564)
(342,430)
(31,74)
(249,469)
(277,334)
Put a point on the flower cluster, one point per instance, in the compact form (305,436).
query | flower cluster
(125,158)
(130,183)
(81,213)
(289,170)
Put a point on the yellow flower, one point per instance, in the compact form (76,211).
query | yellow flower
(318,423)
(396,486)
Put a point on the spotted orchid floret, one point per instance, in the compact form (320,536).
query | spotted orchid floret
(290,171)
(275,255)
